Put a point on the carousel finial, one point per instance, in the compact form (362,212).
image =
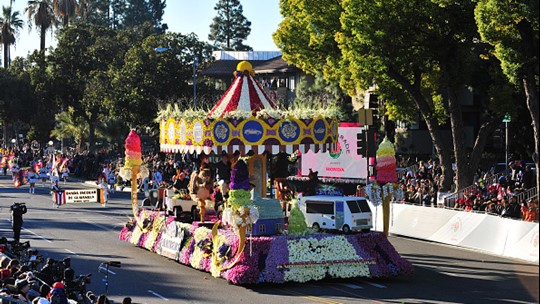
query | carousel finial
(244,68)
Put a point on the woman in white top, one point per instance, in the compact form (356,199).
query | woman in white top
(32,179)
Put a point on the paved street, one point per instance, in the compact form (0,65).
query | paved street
(88,233)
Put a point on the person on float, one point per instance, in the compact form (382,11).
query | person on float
(223,172)
(180,183)
(203,186)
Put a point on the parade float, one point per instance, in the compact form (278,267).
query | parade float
(251,243)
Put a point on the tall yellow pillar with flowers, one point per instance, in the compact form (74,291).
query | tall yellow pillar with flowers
(386,178)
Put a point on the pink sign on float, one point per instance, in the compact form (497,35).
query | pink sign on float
(342,162)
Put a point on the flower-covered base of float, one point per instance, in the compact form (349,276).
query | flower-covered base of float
(274,259)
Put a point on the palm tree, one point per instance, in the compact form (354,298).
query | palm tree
(69,126)
(42,12)
(10,24)
(65,9)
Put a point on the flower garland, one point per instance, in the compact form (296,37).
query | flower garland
(377,193)
(203,246)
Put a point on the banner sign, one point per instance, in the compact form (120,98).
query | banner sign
(171,241)
(341,162)
(79,196)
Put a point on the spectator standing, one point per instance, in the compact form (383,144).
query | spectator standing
(514,210)
(157,178)
(17,212)
(527,179)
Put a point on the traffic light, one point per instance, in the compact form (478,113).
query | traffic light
(361,147)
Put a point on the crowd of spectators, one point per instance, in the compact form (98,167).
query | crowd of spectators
(420,186)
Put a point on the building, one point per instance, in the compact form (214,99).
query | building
(279,79)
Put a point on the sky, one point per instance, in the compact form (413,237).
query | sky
(183,16)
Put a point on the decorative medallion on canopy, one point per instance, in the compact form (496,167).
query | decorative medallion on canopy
(246,119)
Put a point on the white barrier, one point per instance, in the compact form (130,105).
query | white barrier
(488,233)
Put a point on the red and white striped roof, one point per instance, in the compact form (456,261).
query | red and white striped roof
(244,94)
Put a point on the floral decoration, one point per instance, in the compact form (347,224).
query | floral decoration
(278,259)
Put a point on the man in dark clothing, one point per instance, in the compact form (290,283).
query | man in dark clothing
(527,179)
(180,183)
(17,212)
(223,168)
(513,210)
(223,172)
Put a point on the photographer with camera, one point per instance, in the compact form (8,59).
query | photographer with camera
(17,212)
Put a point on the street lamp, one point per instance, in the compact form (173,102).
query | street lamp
(195,65)
(507,118)
(13,142)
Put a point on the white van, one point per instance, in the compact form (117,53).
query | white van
(342,213)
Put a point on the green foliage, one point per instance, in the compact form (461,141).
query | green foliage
(10,24)
(230,27)
(149,80)
(16,96)
(513,29)
(297,221)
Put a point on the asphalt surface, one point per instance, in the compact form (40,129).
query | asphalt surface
(88,233)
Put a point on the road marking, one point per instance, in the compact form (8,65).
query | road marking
(39,236)
(376,285)
(352,286)
(69,251)
(96,225)
(355,294)
(312,298)
(158,295)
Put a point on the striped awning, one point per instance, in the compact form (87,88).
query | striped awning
(245,94)
(245,149)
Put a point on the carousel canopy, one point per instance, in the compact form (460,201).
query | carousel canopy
(218,132)
(245,94)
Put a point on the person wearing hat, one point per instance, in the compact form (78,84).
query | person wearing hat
(58,294)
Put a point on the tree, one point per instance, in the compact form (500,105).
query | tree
(361,43)
(513,29)
(41,12)
(148,80)
(68,125)
(66,9)
(79,68)
(230,27)
(137,12)
(10,24)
